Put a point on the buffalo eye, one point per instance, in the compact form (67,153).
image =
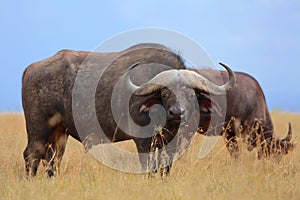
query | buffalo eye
(191,96)
(164,94)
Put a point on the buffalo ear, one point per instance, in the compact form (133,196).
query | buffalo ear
(145,107)
(207,106)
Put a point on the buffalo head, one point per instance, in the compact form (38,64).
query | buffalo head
(177,91)
(266,142)
(274,145)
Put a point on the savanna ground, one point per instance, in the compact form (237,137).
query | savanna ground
(217,176)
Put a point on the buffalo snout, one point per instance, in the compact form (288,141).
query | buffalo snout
(176,112)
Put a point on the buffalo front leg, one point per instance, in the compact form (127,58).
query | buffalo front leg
(143,148)
(154,155)
(159,159)
(164,146)
(231,131)
(232,145)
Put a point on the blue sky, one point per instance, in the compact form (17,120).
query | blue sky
(260,37)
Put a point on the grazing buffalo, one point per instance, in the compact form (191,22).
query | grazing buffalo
(84,94)
(246,115)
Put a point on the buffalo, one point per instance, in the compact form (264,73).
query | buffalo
(85,94)
(179,92)
(247,115)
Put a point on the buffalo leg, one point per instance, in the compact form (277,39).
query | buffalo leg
(160,159)
(143,148)
(163,150)
(35,150)
(55,149)
(231,132)
(33,153)
(232,145)
(147,149)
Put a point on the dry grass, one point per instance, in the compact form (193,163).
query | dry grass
(216,176)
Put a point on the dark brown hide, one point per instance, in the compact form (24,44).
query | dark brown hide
(47,91)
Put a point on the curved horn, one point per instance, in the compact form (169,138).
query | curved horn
(168,77)
(289,135)
(159,81)
(199,82)
(231,80)
(128,82)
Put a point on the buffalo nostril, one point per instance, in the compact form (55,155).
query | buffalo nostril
(171,112)
(182,111)
(176,112)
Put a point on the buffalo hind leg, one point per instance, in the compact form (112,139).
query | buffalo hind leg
(55,150)
(33,153)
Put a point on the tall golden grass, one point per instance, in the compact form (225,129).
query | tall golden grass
(217,176)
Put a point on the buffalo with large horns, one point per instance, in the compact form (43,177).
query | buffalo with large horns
(93,95)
